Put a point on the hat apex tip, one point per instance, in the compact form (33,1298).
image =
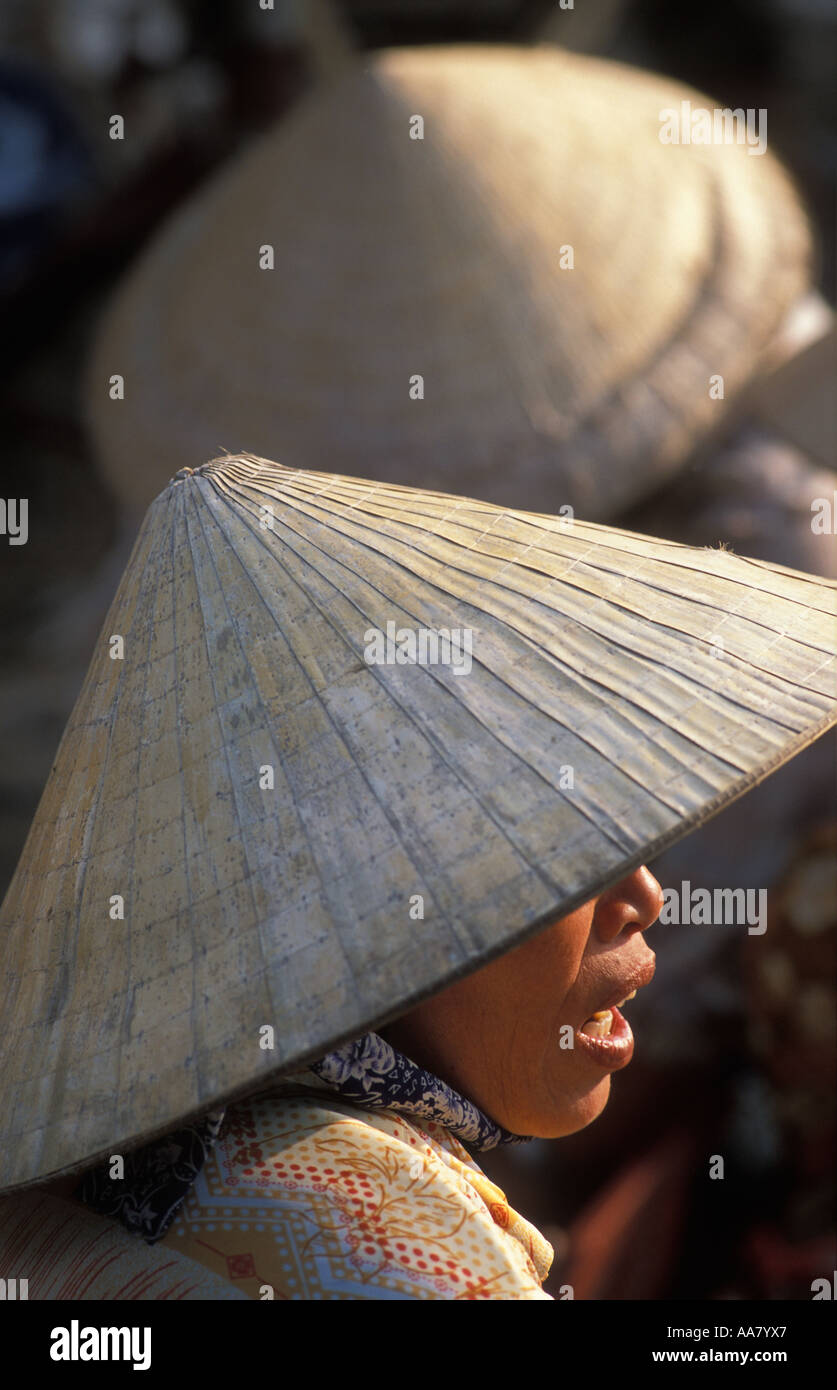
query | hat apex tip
(183,473)
(213,466)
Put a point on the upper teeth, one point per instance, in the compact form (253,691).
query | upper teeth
(599,1025)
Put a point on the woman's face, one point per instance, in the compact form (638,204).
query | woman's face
(518,1037)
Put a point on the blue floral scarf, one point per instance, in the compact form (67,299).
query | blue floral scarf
(367,1071)
(371,1073)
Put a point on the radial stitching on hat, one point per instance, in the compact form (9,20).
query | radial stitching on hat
(425,735)
(596,546)
(681,561)
(267,723)
(340,735)
(589,815)
(611,601)
(751,620)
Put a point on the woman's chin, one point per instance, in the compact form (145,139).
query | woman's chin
(572,1115)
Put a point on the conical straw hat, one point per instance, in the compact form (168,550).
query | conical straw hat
(621,691)
(441,258)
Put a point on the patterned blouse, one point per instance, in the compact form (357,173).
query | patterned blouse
(348,1180)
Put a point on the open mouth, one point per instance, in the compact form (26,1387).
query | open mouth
(600,1024)
(605,1038)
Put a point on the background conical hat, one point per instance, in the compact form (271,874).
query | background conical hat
(623,689)
(441,257)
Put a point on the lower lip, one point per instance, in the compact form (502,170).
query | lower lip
(610,1053)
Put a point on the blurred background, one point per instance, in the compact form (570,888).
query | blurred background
(736,1040)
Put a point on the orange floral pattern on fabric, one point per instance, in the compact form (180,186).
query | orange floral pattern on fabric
(305,1197)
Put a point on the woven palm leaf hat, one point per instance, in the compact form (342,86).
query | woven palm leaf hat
(265,795)
(562,281)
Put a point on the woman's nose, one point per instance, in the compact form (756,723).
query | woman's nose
(631,905)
